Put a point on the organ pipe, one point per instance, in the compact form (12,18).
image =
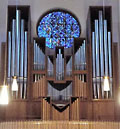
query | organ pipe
(17,58)
(39,58)
(106,51)
(80,57)
(22,48)
(59,66)
(101,57)
(101,51)
(50,68)
(105,48)
(9,55)
(17,53)
(110,54)
(110,61)
(84,55)
(94,66)
(97,58)
(25,64)
(69,68)
(21,57)
(13,47)
(60,95)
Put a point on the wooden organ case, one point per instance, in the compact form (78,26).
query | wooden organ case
(62,83)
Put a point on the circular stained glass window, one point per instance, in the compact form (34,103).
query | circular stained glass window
(59,28)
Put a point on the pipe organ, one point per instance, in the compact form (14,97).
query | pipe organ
(39,58)
(50,67)
(55,79)
(69,68)
(101,57)
(80,57)
(17,53)
(59,66)
(57,94)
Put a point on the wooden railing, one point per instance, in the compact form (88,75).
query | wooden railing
(59,125)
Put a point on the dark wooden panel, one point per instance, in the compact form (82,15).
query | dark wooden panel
(16,110)
(85,110)
(103,110)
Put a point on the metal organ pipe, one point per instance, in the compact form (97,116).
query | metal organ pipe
(84,55)
(17,58)
(9,55)
(97,58)
(80,57)
(21,57)
(50,68)
(94,66)
(105,48)
(101,56)
(22,48)
(110,61)
(25,64)
(101,50)
(34,42)
(69,67)
(59,66)
(13,47)
(64,94)
(17,53)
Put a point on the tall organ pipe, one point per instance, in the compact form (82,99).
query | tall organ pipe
(34,53)
(110,54)
(22,48)
(101,50)
(93,64)
(57,70)
(17,58)
(13,47)
(25,64)
(97,59)
(79,59)
(36,56)
(21,57)
(9,54)
(110,61)
(84,49)
(106,50)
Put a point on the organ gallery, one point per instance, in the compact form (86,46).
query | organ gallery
(60,79)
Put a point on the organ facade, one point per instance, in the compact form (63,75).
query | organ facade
(61,75)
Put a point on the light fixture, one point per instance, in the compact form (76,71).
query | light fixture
(4,95)
(106,83)
(14,84)
(4,98)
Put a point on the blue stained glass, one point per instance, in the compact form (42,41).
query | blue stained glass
(59,29)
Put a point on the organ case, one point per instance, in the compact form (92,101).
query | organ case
(62,80)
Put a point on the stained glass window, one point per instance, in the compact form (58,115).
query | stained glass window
(59,29)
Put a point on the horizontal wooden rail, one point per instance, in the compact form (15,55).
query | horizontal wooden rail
(60,125)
